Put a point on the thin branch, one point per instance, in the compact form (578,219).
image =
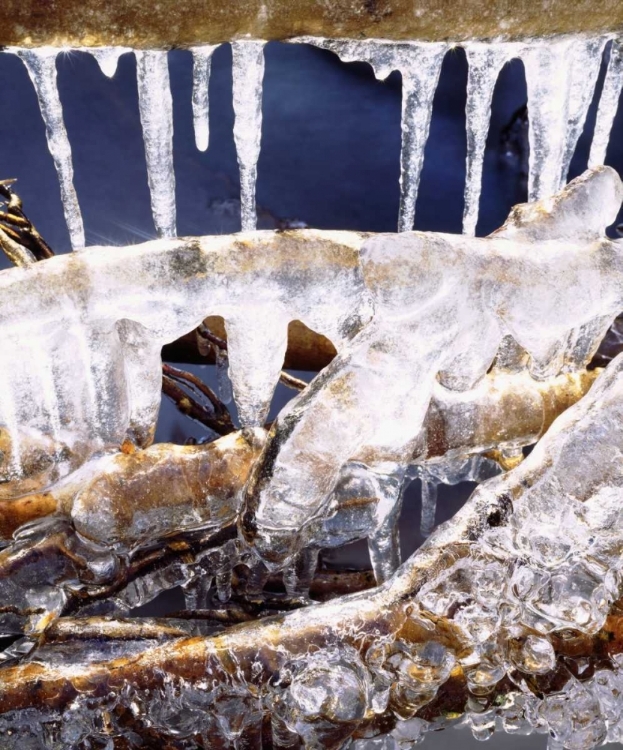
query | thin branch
(216,418)
(19,227)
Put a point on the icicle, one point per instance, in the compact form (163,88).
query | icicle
(156,110)
(202,59)
(107,58)
(429,506)
(222,375)
(608,105)
(41,66)
(560,76)
(248,74)
(485,61)
(419,63)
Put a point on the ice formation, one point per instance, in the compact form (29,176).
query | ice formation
(419,64)
(608,105)
(439,338)
(202,59)
(107,58)
(41,66)
(248,75)
(156,110)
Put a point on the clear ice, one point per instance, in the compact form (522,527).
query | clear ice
(248,76)
(41,66)
(156,111)
(202,60)
(107,58)
(419,64)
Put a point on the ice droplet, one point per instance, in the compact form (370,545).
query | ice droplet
(41,66)
(156,111)
(108,58)
(248,75)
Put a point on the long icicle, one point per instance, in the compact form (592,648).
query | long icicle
(485,61)
(419,63)
(248,75)
(419,82)
(560,77)
(41,67)
(202,59)
(608,105)
(156,111)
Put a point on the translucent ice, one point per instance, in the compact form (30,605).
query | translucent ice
(248,75)
(560,77)
(108,58)
(608,105)
(41,66)
(485,61)
(156,110)
(419,63)
(541,284)
(202,59)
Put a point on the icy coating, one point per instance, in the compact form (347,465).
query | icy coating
(202,60)
(156,111)
(453,354)
(41,66)
(248,75)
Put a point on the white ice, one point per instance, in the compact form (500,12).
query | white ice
(202,60)
(156,111)
(248,76)
(41,66)
(608,105)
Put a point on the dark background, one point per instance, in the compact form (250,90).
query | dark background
(330,158)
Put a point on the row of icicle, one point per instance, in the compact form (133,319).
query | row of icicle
(560,75)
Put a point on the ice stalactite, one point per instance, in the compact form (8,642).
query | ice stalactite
(608,105)
(41,66)
(108,58)
(485,61)
(560,77)
(429,507)
(202,60)
(248,75)
(419,63)
(156,111)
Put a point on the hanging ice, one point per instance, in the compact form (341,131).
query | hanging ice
(202,58)
(419,63)
(608,105)
(248,75)
(485,61)
(540,273)
(560,77)
(156,111)
(107,58)
(41,66)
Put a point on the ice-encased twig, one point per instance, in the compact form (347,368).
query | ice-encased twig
(41,66)
(398,645)
(156,111)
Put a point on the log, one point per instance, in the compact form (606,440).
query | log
(144,24)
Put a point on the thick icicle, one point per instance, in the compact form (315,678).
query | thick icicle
(107,58)
(248,74)
(560,77)
(485,61)
(608,105)
(41,66)
(419,64)
(156,110)
(202,59)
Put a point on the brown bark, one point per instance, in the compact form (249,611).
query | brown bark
(140,23)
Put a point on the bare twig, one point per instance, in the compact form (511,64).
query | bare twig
(18,227)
